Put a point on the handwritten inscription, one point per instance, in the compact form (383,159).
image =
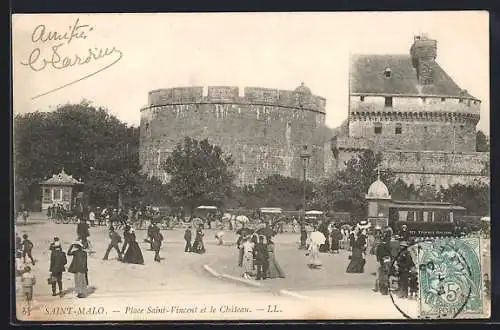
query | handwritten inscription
(62,58)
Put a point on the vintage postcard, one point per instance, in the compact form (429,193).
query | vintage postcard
(251,166)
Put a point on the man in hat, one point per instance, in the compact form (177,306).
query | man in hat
(115,239)
(153,230)
(261,258)
(82,231)
(404,234)
(187,238)
(79,268)
(303,235)
(156,244)
(383,254)
(57,266)
(114,219)
(405,264)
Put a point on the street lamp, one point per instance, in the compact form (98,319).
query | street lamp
(305,156)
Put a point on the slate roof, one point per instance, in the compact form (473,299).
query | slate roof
(367,76)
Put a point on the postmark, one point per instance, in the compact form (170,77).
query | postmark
(449,278)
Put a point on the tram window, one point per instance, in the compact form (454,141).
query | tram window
(442,217)
(402,215)
(411,216)
(420,216)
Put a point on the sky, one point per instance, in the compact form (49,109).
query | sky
(272,50)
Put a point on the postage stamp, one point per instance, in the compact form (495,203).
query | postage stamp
(250,166)
(450,278)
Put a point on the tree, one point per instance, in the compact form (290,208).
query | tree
(86,141)
(475,197)
(356,178)
(275,191)
(482,142)
(345,192)
(200,174)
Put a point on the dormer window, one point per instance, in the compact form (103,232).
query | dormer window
(387,73)
(443,99)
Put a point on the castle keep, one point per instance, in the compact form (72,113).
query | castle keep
(264,129)
(410,110)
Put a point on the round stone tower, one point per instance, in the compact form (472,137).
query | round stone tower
(264,130)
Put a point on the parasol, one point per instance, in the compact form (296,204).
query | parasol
(226,217)
(363,224)
(197,221)
(266,231)
(317,237)
(242,218)
(244,231)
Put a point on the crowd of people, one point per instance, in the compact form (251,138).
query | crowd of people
(129,252)
(257,256)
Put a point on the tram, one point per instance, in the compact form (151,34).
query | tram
(425,218)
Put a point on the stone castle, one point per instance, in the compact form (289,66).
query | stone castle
(264,130)
(409,109)
(404,106)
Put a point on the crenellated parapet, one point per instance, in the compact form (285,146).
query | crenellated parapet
(301,99)
(415,108)
(406,116)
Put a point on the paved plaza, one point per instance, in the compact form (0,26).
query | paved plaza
(181,279)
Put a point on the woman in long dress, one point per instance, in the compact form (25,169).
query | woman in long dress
(247,262)
(274,269)
(198,246)
(313,253)
(357,264)
(133,255)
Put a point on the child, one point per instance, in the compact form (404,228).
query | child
(27,248)
(28,281)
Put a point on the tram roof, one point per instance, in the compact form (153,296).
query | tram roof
(416,205)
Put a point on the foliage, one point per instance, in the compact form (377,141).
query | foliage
(482,142)
(475,198)
(274,191)
(86,141)
(346,191)
(199,174)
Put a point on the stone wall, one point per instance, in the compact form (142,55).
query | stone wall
(425,123)
(429,167)
(264,130)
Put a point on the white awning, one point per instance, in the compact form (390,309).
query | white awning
(204,207)
(270,210)
(313,212)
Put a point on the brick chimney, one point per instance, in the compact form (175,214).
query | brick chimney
(423,55)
